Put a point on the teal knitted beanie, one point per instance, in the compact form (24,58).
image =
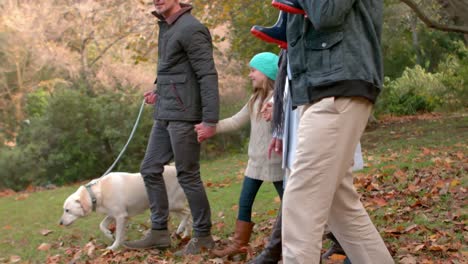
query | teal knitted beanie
(266,63)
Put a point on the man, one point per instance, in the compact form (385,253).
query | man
(186,94)
(335,64)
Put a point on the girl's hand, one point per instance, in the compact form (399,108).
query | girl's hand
(276,145)
(267,110)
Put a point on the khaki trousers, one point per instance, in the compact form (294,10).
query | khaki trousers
(320,188)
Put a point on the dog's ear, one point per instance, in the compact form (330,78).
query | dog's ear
(85,201)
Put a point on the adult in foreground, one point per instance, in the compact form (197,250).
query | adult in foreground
(335,64)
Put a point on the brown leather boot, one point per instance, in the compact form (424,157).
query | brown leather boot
(240,242)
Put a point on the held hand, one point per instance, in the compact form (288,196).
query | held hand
(204,132)
(267,110)
(276,145)
(150,97)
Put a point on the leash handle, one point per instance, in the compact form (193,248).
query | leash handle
(128,141)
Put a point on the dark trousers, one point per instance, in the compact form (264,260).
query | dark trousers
(249,190)
(175,140)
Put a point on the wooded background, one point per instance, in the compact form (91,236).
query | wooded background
(73,72)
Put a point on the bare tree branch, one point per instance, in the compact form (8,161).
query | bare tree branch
(107,48)
(432,24)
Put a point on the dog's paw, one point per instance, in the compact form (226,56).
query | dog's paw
(183,232)
(180,229)
(186,233)
(112,247)
(109,235)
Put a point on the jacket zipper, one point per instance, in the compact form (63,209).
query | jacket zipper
(179,100)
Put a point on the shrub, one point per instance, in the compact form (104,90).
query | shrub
(20,167)
(453,73)
(76,138)
(415,91)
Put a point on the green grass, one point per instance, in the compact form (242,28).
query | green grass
(395,153)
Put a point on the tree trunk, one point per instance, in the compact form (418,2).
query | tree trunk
(414,32)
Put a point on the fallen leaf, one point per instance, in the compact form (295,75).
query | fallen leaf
(435,247)
(426,151)
(379,201)
(54,259)
(90,248)
(271,212)
(454,183)
(418,247)
(217,261)
(15,259)
(412,187)
(22,196)
(44,247)
(408,259)
(400,174)
(411,227)
(45,232)
(335,257)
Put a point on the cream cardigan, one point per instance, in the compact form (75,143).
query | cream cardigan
(259,166)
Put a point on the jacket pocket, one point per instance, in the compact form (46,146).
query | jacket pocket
(324,51)
(173,91)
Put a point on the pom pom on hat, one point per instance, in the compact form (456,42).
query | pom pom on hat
(266,63)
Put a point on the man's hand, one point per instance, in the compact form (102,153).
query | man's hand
(204,132)
(267,110)
(276,145)
(150,97)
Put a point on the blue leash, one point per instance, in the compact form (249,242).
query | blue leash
(128,141)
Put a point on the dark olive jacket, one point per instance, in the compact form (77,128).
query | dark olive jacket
(335,50)
(187,81)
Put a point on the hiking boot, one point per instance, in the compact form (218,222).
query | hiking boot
(160,239)
(196,245)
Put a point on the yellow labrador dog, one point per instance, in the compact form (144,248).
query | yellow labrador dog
(120,195)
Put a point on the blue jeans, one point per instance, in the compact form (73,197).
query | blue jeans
(249,190)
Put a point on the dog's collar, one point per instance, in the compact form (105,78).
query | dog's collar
(91,194)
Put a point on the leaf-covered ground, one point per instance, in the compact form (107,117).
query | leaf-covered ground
(414,187)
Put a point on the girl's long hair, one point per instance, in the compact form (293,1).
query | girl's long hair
(261,94)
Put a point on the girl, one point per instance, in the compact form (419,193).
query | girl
(263,69)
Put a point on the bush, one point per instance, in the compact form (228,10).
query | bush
(76,138)
(414,92)
(453,73)
(20,167)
